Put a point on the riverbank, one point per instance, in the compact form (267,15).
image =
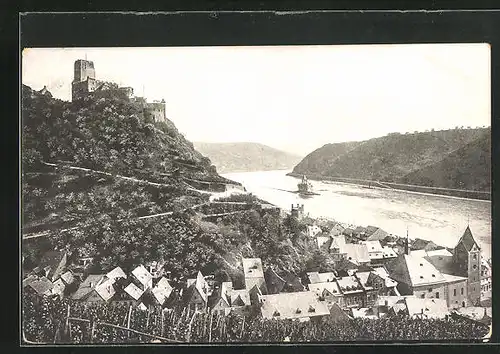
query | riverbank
(460,193)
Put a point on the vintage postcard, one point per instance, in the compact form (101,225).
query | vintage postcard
(249,194)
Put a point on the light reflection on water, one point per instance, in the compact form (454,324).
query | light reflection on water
(438,218)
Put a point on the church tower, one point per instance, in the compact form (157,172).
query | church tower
(467,261)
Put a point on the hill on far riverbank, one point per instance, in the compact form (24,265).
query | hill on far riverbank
(455,158)
(246,157)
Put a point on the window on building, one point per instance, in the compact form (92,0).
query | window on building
(463,303)
(474,256)
(462,291)
(474,266)
(454,292)
(437,295)
(430,290)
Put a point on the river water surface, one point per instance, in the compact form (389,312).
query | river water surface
(441,219)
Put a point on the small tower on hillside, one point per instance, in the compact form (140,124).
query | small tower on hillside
(297,211)
(467,262)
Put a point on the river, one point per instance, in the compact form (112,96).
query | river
(441,219)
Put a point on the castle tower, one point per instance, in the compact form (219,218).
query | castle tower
(467,260)
(83,70)
(84,79)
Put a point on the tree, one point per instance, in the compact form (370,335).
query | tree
(319,262)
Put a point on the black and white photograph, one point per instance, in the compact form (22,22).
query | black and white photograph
(256,194)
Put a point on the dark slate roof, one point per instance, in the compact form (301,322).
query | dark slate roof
(468,240)
(88,285)
(371,229)
(337,314)
(274,282)
(443,263)
(293,282)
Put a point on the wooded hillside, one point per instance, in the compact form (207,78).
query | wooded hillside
(456,158)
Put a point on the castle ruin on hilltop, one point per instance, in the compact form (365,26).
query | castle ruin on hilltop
(85,82)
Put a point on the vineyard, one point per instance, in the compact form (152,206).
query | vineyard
(63,321)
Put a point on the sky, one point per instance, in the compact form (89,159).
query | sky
(294,98)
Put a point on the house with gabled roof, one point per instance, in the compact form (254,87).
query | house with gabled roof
(375,251)
(240,298)
(68,278)
(142,278)
(371,284)
(286,282)
(52,265)
(351,288)
(41,286)
(131,294)
(415,275)
(357,253)
(274,282)
(337,314)
(254,274)
(196,294)
(116,273)
(390,285)
(346,267)
(86,290)
(377,235)
(336,230)
(161,291)
(337,247)
(329,292)
(388,254)
(426,308)
(106,289)
(220,300)
(359,232)
(302,306)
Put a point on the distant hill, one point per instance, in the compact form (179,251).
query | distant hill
(466,168)
(455,158)
(243,156)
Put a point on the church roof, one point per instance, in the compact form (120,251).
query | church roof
(468,240)
(415,271)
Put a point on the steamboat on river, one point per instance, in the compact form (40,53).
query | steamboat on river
(305,188)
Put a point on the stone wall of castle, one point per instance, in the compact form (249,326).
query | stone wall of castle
(156,110)
(81,89)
